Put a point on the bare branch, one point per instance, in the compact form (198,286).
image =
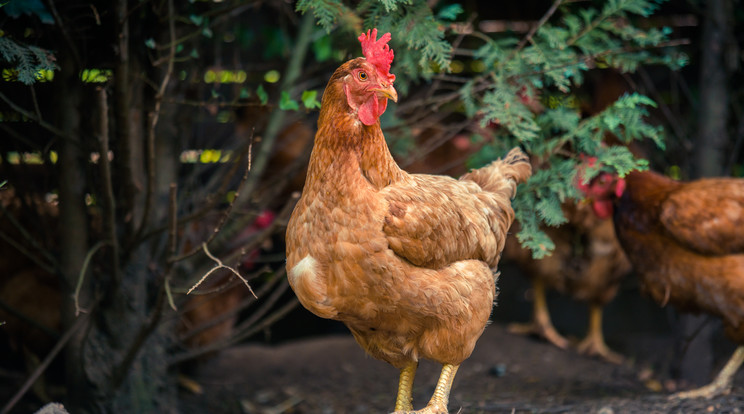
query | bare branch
(268,321)
(154,117)
(109,217)
(278,222)
(276,120)
(169,294)
(65,33)
(173,219)
(528,38)
(25,318)
(244,304)
(226,213)
(30,115)
(219,266)
(81,276)
(48,267)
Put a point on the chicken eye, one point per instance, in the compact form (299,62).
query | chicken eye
(362,76)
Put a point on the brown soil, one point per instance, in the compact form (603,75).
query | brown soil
(506,373)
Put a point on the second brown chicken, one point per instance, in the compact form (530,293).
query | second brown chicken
(587,265)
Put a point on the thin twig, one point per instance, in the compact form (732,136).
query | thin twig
(172,239)
(267,305)
(35,101)
(30,115)
(276,120)
(528,38)
(153,118)
(81,276)
(278,222)
(219,266)
(109,216)
(49,268)
(204,209)
(268,321)
(203,104)
(225,214)
(28,320)
(243,305)
(224,286)
(169,294)
(675,124)
(173,218)
(65,33)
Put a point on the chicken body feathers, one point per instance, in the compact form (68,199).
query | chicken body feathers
(686,215)
(406,267)
(435,220)
(684,241)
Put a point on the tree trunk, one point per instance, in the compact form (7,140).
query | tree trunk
(713,138)
(73,220)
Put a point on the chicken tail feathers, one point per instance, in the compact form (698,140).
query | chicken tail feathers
(504,174)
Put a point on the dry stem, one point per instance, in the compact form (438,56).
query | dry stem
(220,265)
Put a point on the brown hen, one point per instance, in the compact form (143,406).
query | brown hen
(405,261)
(685,242)
(587,265)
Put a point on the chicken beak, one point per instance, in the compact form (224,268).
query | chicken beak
(388,92)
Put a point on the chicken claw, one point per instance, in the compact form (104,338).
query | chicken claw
(440,399)
(540,325)
(721,385)
(594,344)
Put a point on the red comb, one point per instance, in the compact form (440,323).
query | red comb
(377,51)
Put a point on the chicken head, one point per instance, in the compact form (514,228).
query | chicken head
(602,190)
(370,83)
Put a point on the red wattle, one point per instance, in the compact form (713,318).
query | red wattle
(603,208)
(371,109)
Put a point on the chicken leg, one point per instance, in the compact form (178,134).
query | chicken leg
(440,399)
(594,344)
(722,383)
(404,401)
(540,325)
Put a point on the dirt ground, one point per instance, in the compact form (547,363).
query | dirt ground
(506,373)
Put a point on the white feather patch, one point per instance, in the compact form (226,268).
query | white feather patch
(307,267)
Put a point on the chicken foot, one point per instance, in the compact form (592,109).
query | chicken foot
(722,383)
(594,344)
(404,401)
(541,324)
(440,399)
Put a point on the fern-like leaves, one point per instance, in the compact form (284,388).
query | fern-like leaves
(28,61)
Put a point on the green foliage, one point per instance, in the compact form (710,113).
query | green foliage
(554,62)
(29,61)
(310,100)
(286,103)
(526,93)
(325,11)
(323,49)
(263,97)
(450,12)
